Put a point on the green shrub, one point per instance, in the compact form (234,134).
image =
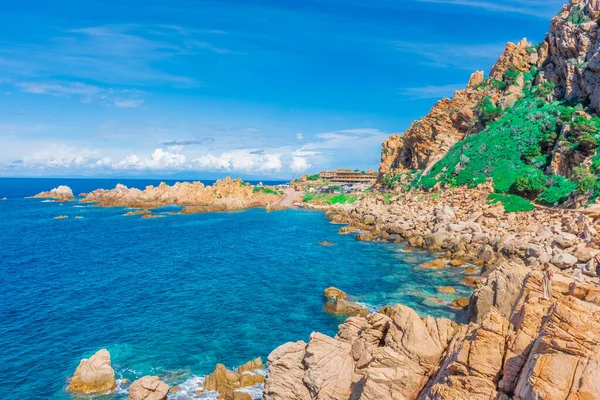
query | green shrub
(578,16)
(511,202)
(312,177)
(584,134)
(530,184)
(488,112)
(559,189)
(264,190)
(511,75)
(341,199)
(584,179)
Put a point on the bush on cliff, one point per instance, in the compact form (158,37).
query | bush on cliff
(511,202)
(515,149)
(559,190)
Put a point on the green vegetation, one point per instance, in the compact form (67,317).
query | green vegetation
(558,191)
(329,199)
(511,202)
(387,198)
(488,111)
(578,16)
(584,179)
(514,147)
(312,177)
(264,190)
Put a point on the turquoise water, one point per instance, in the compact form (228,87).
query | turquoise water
(176,295)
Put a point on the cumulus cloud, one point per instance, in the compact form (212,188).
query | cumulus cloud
(299,165)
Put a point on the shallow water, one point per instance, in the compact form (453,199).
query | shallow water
(178,294)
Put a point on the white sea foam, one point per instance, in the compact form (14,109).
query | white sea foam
(187,389)
(47,201)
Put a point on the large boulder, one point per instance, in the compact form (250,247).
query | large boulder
(333,293)
(94,375)
(285,375)
(148,388)
(501,290)
(329,368)
(345,307)
(564,260)
(226,382)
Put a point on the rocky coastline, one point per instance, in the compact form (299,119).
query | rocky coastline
(518,343)
(224,195)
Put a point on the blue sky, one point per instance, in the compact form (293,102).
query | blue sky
(263,88)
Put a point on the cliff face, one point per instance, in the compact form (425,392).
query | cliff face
(568,57)
(429,138)
(571,53)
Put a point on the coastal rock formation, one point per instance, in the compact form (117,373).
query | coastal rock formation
(60,194)
(94,375)
(547,349)
(338,303)
(332,293)
(227,382)
(148,388)
(428,139)
(224,195)
(385,355)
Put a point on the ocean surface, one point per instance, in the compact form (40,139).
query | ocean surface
(174,296)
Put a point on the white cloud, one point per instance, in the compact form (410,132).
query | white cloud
(86,93)
(299,136)
(299,165)
(131,103)
(247,160)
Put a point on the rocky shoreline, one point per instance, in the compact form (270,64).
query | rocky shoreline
(517,345)
(224,195)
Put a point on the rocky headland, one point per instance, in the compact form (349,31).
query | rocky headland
(224,195)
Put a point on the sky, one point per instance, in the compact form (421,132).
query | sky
(255,88)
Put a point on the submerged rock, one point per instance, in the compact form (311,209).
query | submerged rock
(94,375)
(435,264)
(460,303)
(148,388)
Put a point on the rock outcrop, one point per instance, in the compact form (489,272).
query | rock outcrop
(385,355)
(228,382)
(428,139)
(546,349)
(224,195)
(60,194)
(148,388)
(94,375)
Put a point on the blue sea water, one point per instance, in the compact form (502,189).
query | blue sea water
(176,295)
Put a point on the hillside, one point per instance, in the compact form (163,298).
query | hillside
(531,126)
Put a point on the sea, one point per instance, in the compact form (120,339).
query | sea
(174,296)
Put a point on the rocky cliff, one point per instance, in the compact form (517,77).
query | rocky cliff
(561,75)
